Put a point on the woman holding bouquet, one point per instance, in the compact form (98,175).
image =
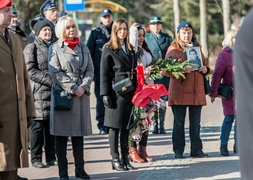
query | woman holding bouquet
(144,58)
(186,93)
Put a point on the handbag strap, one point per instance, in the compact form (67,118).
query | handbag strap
(132,70)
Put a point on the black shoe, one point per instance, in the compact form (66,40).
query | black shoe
(116,164)
(21,178)
(64,178)
(52,163)
(103,131)
(38,165)
(126,163)
(179,155)
(199,154)
(162,131)
(224,150)
(235,148)
(82,174)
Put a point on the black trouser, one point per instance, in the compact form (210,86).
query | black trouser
(114,141)
(61,152)
(143,141)
(39,136)
(178,136)
(9,175)
(100,108)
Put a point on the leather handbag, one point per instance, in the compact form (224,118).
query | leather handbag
(225,91)
(62,100)
(123,86)
(208,88)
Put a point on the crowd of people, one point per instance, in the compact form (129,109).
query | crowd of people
(52,59)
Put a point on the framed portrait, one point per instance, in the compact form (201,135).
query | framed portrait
(194,56)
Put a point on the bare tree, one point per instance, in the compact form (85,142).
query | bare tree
(176,14)
(226,20)
(203,26)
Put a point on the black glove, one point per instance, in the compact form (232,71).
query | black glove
(107,101)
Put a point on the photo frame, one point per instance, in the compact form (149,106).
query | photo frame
(194,56)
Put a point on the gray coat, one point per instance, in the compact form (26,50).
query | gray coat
(70,69)
(244,93)
(115,64)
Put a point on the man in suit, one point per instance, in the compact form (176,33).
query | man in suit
(244,93)
(158,42)
(98,37)
(16,100)
(49,10)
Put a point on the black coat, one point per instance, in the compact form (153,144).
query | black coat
(115,65)
(36,57)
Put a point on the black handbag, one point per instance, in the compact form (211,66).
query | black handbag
(125,85)
(225,91)
(208,88)
(62,100)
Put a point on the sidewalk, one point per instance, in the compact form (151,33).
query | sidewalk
(165,167)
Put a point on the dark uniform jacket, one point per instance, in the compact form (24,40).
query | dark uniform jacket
(23,36)
(36,57)
(98,37)
(115,65)
(158,47)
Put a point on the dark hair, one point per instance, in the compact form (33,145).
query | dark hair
(144,44)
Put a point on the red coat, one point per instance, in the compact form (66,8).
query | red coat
(189,91)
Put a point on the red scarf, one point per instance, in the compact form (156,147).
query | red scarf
(72,43)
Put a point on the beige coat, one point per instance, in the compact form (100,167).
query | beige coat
(16,102)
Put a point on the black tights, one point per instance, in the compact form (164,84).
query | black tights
(114,141)
(143,141)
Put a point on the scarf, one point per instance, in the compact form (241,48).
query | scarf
(72,43)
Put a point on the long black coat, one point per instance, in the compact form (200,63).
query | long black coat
(36,57)
(115,64)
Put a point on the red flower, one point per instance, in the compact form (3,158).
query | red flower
(180,60)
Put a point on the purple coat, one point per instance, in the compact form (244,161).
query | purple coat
(223,72)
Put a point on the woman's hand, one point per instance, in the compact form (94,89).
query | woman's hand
(188,69)
(163,72)
(212,99)
(80,91)
(203,69)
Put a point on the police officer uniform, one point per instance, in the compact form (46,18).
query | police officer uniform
(47,6)
(158,46)
(98,37)
(17,30)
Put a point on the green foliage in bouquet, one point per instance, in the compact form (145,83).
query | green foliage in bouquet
(173,66)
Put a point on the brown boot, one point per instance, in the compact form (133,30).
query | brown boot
(143,154)
(134,156)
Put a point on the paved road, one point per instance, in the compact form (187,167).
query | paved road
(98,159)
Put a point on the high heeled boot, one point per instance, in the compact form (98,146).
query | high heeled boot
(126,162)
(116,164)
(143,154)
(134,156)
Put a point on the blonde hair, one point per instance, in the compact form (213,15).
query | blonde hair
(62,24)
(178,43)
(228,40)
(114,42)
